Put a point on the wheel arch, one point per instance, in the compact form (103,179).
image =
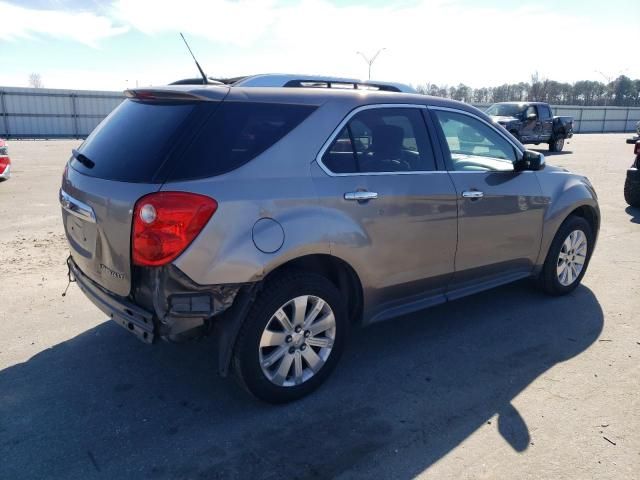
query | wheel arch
(585,207)
(337,271)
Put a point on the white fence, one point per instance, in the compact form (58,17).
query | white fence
(53,113)
(600,119)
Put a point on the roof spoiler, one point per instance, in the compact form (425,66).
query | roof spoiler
(176,95)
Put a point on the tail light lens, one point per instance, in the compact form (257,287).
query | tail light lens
(165,224)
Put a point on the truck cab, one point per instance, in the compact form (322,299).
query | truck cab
(532,122)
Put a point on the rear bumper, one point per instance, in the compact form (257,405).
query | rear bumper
(136,320)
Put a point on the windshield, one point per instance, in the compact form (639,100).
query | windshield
(505,110)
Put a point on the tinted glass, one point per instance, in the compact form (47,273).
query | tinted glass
(545,112)
(505,110)
(382,140)
(131,144)
(473,145)
(340,158)
(236,133)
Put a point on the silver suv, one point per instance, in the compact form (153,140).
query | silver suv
(278,218)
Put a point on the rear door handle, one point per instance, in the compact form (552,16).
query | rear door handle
(473,194)
(360,196)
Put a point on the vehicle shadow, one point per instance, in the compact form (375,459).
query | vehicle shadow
(634,213)
(104,405)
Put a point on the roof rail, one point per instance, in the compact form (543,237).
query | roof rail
(341,84)
(299,81)
(312,81)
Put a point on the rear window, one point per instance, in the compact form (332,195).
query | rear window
(236,133)
(133,142)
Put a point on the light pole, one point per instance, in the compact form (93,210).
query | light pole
(370,60)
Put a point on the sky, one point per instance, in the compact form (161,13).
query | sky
(113,45)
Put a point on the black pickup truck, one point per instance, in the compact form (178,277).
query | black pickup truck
(532,122)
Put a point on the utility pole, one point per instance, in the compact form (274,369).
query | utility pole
(370,60)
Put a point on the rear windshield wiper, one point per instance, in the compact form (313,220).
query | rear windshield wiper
(82,158)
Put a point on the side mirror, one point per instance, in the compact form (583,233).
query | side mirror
(532,116)
(530,161)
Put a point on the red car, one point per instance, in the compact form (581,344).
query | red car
(5,161)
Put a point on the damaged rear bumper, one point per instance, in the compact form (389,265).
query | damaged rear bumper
(164,303)
(136,320)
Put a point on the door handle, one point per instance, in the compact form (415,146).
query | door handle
(76,207)
(360,196)
(473,194)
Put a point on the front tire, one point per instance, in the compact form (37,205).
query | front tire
(568,257)
(632,189)
(292,338)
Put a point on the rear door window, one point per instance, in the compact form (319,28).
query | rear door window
(382,140)
(235,134)
(545,112)
(133,142)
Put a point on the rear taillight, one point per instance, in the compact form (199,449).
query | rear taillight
(165,223)
(636,150)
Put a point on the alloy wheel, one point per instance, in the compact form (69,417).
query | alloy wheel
(297,340)
(572,257)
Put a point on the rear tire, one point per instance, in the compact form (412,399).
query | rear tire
(567,259)
(275,360)
(632,191)
(556,145)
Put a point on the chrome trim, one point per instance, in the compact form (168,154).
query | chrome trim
(469,114)
(360,196)
(473,194)
(76,207)
(345,120)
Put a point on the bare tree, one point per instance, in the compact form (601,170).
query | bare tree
(35,80)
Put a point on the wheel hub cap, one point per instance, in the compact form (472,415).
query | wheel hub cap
(571,258)
(297,341)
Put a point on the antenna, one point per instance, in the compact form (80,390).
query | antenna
(204,77)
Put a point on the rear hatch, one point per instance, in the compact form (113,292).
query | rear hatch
(130,154)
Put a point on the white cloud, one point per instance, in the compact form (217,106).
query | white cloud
(84,27)
(439,41)
(239,22)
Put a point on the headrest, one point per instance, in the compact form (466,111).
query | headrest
(387,138)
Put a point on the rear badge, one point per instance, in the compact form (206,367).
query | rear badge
(112,273)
